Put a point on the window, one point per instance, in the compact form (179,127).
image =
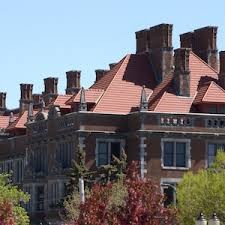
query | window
(40,160)
(170,194)
(28,205)
(175,153)
(54,194)
(213,109)
(9,166)
(168,187)
(64,154)
(212,150)
(18,173)
(1,167)
(222,109)
(39,198)
(106,149)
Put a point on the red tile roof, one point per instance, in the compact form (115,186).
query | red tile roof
(91,96)
(4,122)
(20,122)
(199,69)
(173,103)
(124,91)
(61,101)
(168,101)
(210,93)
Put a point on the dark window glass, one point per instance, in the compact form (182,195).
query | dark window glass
(169,194)
(222,109)
(40,160)
(64,154)
(102,153)
(168,153)
(115,150)
(40,198)
(212,150)
(212,109)
(180,154)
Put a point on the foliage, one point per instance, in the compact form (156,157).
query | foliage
(103,174)
(11,213)
(203,192)
(112,172)
(128,201)
(78,170)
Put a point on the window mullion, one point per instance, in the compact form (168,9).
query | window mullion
(109,152)
(174,157)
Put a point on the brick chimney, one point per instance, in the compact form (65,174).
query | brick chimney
(111,65)
(100,73)
(222,69)
(203,43)
(25,96)
(182,72)
(2,101)
(142,41)
(51,85)
(37,98)
(157,41)
(73,81)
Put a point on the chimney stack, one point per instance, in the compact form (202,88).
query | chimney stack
(182,72)
(203,43)
(100,73)
(142,41)
(25,96)
(51,85)
(111,65)
(2,101)
(73,81)
(222,69)
(157,42)
(37,98)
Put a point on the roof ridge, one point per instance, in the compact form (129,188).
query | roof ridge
(123,60)
(204,62)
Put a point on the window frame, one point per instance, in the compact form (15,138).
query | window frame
(187,154)
(166,183)
(207,165)
(108,141)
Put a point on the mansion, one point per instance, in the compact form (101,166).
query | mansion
(164,107)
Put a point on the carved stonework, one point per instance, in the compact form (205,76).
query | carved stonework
(41,116)
(54,112)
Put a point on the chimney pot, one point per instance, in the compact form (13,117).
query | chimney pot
(26,96)
(100,73)
(2,101)
(203,43)
(73,81)
(51,85)
(111,65)
(222,69)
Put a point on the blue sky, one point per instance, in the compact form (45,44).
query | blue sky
(49,37)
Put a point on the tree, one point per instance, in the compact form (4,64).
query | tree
(203,192)
(78,170)
(11,212)
(104,174)
(131,200)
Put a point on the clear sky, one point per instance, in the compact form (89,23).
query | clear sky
(49,37)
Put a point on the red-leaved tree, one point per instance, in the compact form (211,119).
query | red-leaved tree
(141,205)
(6,213)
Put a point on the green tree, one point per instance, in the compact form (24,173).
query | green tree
(203,192)
(78,170)
(11,212)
